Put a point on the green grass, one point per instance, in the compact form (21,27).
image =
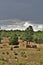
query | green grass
(20,63)
(1,63)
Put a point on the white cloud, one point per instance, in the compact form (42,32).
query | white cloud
(20,25)
(36,27)
(26,24)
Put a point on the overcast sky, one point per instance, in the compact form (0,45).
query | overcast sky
(21,10)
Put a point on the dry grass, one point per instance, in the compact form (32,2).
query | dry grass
(30,56)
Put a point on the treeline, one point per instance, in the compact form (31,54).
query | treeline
(28,35)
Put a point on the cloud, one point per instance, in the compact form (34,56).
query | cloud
(36,27)
(26,24)
(19,14)
(20,25)
(10,22)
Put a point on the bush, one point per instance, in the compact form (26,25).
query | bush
(4,59)
(0,39)
(15,53)
(7,53)
(34,46)
(11,48)
(21,63)
(13,39)
(28,46)
(23,54)
(16,57)
(1,47)
(3,52)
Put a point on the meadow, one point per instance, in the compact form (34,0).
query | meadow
(22,55)
(16,56)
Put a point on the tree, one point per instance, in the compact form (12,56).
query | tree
(29,34)
(38,37)
(0,36)
(13,39)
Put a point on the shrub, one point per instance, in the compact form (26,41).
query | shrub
(23,54)
(11,48)
(16,58)
(34,46)
(28,46)
(1,47)
(7,53)
(4,59)
(15,53)
(3,52)
(21,63)
(13,39)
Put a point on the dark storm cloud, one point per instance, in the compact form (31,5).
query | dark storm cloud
(23,10)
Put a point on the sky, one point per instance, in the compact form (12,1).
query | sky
(13,12)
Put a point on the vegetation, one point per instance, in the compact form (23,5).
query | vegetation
(31,56)
(14,39)
(1,63)
(15,53)
(20,63)
(28,35)
(38,37)
(11,48)
(0,36)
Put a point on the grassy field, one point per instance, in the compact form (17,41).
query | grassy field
(28,56)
